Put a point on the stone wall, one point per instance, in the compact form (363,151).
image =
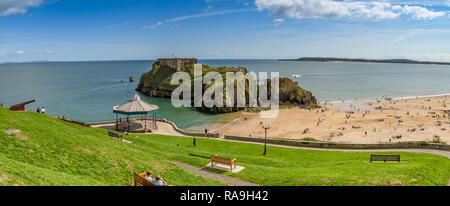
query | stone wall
(174,126)
(74,121)
(192,133)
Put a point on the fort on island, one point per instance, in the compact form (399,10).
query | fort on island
(177,63)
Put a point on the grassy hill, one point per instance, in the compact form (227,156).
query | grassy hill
(52,152)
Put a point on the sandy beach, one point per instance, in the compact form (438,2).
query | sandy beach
(386,120)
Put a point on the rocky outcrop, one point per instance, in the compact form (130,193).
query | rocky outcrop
(291,93)
(156,83)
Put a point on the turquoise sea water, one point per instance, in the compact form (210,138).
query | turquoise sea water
(331,81)
(87,91)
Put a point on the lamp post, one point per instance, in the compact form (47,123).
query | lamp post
(265,139)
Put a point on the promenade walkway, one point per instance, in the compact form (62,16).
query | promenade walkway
(429,151)
(163,127)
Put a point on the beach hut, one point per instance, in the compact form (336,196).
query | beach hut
(135,107)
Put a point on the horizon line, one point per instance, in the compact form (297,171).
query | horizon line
(154,59)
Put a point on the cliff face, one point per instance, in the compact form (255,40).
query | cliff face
(156,83)
(292,93)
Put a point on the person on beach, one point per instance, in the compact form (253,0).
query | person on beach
(207,133)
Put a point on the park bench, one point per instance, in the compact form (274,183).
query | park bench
(139,180)
(224,161)
(384,158)
(117,136)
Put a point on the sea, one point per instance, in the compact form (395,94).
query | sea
(87,91)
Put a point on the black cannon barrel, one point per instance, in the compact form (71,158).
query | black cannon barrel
(24,103)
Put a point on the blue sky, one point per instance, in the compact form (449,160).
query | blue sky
(72,30)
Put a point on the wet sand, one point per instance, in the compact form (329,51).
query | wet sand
(415,119)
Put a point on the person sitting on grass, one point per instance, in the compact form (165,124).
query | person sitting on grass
(148,176)
(159,181)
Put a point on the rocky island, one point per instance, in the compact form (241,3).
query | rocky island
(156,83)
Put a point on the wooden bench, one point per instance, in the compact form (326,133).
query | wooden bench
(225,161)
(117,136)
(384,158)
(139,180)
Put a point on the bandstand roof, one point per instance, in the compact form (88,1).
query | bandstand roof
(135,106)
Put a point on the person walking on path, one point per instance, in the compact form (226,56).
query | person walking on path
(43,110)
(38,110)
(207,133)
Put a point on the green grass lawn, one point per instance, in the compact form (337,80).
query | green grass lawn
(52,152)
(49,151)
(283,166)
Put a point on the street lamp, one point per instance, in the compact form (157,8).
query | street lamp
(265,139)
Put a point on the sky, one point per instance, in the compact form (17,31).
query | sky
(86,30)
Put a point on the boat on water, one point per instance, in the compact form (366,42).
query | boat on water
(296,75)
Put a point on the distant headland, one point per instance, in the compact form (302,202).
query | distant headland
(333,59)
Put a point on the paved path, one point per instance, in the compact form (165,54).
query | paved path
(429,151)
(222,178)
(163,127)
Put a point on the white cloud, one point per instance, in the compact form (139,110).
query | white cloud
(278,21)
(152,26)
(13,53)
(116,25)
(447,2)
(182,18)
(9,7)
(418,12)
(206,15)
(319,9)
